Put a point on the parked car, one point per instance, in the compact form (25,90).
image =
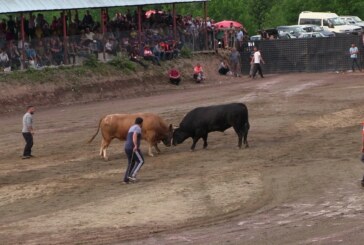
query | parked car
(329,21)
(353,20)
(314,28)
(311,35)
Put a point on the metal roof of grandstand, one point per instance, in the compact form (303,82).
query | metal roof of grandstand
(14,6)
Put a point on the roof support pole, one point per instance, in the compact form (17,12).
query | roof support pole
(65,46)
(22,39)
(103,29)
(174,22)
(140,27)
(205,17)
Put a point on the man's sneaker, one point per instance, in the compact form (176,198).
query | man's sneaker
(132,178)
(25,157)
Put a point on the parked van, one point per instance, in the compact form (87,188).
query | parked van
(353,20)
(329,21)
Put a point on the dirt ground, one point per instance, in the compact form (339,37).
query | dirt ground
(298,183)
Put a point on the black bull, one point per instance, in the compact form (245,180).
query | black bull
(202,120)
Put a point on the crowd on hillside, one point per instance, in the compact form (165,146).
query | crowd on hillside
(44,43)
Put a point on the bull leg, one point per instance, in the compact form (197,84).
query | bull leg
(205,141)
(246,139)
(195,139)
(150,152)
(104,145)
(157,148)
(239,132)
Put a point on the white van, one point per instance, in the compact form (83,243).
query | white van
(329,21)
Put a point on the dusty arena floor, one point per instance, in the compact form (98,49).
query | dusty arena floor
(298,183)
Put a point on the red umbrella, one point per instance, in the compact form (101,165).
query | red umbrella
(227,24)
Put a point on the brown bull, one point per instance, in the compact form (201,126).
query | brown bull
(154,130)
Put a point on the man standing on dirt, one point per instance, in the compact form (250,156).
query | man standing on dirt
(132,150)
(354,51)
(257,60)
(28,132)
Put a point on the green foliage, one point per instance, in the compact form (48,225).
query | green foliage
(91,61)
(122,64)
(186,52)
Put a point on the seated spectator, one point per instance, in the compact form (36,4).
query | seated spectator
(134,57)
(110,47)
(14,55)
(158,52)
(43,54)
(174,76)
(223,68)
(31,55)
(4,59)
(198,73)
(56,51)
(148,55)
(72,51)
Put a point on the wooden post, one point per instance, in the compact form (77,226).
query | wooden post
(102,18)
(140,27)
(22,37)
(65,46)
(174,22)
(205,16)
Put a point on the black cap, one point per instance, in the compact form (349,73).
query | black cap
(138,120)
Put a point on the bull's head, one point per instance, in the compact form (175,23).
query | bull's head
(168,139)
(179,136)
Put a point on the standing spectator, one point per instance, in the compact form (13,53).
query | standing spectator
(174,76)
(28,132)
(223,68)
(354,51)
(198,73)
(251,65)
(239,38)
(132,150)
(235,62)
(87,20)
(362,152)
(257,60)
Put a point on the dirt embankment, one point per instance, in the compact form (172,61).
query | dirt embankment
(70,86)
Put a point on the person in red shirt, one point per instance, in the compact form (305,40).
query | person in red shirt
(174,76)
(198,73)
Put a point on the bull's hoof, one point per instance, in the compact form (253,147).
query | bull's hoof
(151,155)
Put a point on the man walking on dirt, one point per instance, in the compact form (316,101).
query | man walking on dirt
(132,150)
(28,132)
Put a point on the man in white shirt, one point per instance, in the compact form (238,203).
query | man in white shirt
(354,51)
(257,60)
(28,132)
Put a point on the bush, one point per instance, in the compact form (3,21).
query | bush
(91,61)
(122,64)
(186,52)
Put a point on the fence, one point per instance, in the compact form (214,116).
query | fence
(304,54)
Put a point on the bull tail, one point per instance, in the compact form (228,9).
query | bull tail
(98,129)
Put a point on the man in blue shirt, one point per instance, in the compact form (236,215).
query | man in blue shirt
(132,150)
